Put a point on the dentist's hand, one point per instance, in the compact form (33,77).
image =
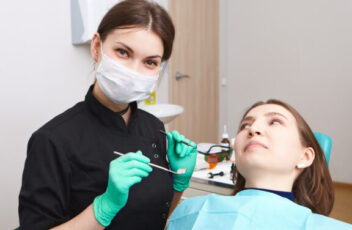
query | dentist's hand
(181,156)
(124,172)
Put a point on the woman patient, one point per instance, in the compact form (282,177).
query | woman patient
(281,179)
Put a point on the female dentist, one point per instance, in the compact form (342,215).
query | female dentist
(72,179)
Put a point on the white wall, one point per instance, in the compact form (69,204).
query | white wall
(42,75)
(297,51)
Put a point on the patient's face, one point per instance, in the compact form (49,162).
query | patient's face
(268,142)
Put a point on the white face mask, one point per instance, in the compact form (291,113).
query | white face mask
(121,84)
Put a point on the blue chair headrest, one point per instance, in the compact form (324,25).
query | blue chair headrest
(325,143)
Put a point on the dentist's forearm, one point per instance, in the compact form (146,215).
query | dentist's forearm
(175,200)
(85,220)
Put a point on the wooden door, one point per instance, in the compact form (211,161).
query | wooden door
(196,54)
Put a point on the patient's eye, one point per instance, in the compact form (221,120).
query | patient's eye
(244,126)
(275,122)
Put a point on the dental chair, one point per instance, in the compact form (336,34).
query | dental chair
(325,143)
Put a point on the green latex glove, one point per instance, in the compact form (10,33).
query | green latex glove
(124,172)
(181,156)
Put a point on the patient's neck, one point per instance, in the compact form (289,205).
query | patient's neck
(278,183)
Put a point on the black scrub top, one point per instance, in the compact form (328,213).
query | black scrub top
(68,160)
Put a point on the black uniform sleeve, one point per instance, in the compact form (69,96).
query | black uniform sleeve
(44,195)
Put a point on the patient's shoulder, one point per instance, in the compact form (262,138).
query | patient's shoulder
(321,222)
(205,203)
(194,202)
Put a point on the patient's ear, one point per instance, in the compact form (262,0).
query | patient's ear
(307,158)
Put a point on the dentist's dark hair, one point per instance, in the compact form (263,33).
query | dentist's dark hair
(313,187)
(140,13)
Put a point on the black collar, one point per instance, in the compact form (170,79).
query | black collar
(122,112)
(107,116)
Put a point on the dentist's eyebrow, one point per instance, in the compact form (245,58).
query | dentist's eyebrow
(126,46)
(154,56)
(131,50)
(271,114)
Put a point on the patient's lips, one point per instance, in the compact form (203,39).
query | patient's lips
(254,144)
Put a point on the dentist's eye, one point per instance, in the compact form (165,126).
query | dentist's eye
(151,63)
(122,52)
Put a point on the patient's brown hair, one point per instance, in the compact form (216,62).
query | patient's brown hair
(313,188)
